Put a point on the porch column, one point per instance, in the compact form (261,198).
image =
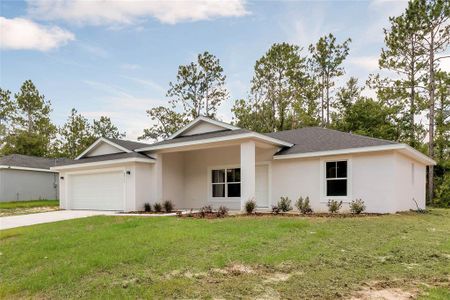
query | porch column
(247,172)
(158,178)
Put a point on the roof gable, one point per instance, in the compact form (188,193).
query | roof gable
(202,125)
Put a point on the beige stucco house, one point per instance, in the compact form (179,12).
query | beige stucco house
(213,163)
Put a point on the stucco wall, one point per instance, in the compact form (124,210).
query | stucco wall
(21,185)
(410,183)
(372,178)
(196,165)
(173,178)
(145,177)
(134,188)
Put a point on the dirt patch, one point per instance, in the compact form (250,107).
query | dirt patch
(384,291)
(384,294)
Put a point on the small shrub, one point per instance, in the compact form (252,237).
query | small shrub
(147,207)
(275,209)
(357,206)
(222,211)
(207,209)
(303,205)
(157,207)
(190,214)
(334,206)
(284,204)
(250,206)
(179,213)
(168,206)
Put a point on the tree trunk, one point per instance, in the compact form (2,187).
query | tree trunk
(322,119)
(328,101)
(431,123)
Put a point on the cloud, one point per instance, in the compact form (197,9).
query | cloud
(23,34)
(147,82)
(111,12)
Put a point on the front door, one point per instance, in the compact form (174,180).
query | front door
(262,186)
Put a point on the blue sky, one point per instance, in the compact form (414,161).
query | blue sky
(116,58)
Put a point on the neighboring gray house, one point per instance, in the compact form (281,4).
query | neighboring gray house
(25,177)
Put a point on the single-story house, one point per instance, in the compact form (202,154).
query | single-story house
(214,163)
(24,177)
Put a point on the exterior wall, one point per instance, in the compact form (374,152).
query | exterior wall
(196,166)
(173,178)
(145,178)
(410,183)
(202,127)
(103,149)
(22,185)
(372,177)
(138,184)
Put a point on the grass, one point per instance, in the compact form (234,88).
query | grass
(27,207)
(242,257)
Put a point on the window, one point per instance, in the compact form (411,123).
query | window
(226,183)
(336,178)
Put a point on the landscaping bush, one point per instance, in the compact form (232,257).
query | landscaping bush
(168,206)
(275,209)
(147,207)
(357,206)
(284,204)
(250,206)
(207,209)
(334,206)
(157,207)
(303,205)
(222,211)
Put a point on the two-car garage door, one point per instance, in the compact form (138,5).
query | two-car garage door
(100,191)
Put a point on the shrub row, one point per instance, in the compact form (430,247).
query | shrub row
(158,207)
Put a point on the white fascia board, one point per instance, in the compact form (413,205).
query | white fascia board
(218,139)
(26,169)
(99,141)
(413,152)
(204,119)
(103,163)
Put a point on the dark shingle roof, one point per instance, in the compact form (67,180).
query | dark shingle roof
(26,161)
(312,139)
(130,145)
(202,136)
(114,156)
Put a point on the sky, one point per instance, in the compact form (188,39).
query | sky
(116,58)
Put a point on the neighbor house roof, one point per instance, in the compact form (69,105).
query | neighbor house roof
(99,158)
(314,139)
(19,161)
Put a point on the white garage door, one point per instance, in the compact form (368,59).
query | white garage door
(102,191)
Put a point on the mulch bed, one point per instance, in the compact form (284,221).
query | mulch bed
(150,212)
(213,215)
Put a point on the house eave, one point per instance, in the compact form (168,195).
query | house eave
(26,169)
(103,163)
(251,135)
(401,147)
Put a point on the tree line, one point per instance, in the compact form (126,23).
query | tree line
(26,127)
(292,87)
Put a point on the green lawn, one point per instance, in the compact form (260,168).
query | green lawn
(27,207)
(28,204)
(246,257)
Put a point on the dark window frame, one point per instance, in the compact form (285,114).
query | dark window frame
(236,175)
(337,174)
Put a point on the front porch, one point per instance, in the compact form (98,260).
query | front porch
(221,174)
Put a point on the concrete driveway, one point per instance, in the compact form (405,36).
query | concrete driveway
(48,217)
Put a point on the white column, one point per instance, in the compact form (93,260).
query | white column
(247,172)
(158,178)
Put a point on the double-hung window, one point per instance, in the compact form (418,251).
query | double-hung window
(226,183)
(336,178)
